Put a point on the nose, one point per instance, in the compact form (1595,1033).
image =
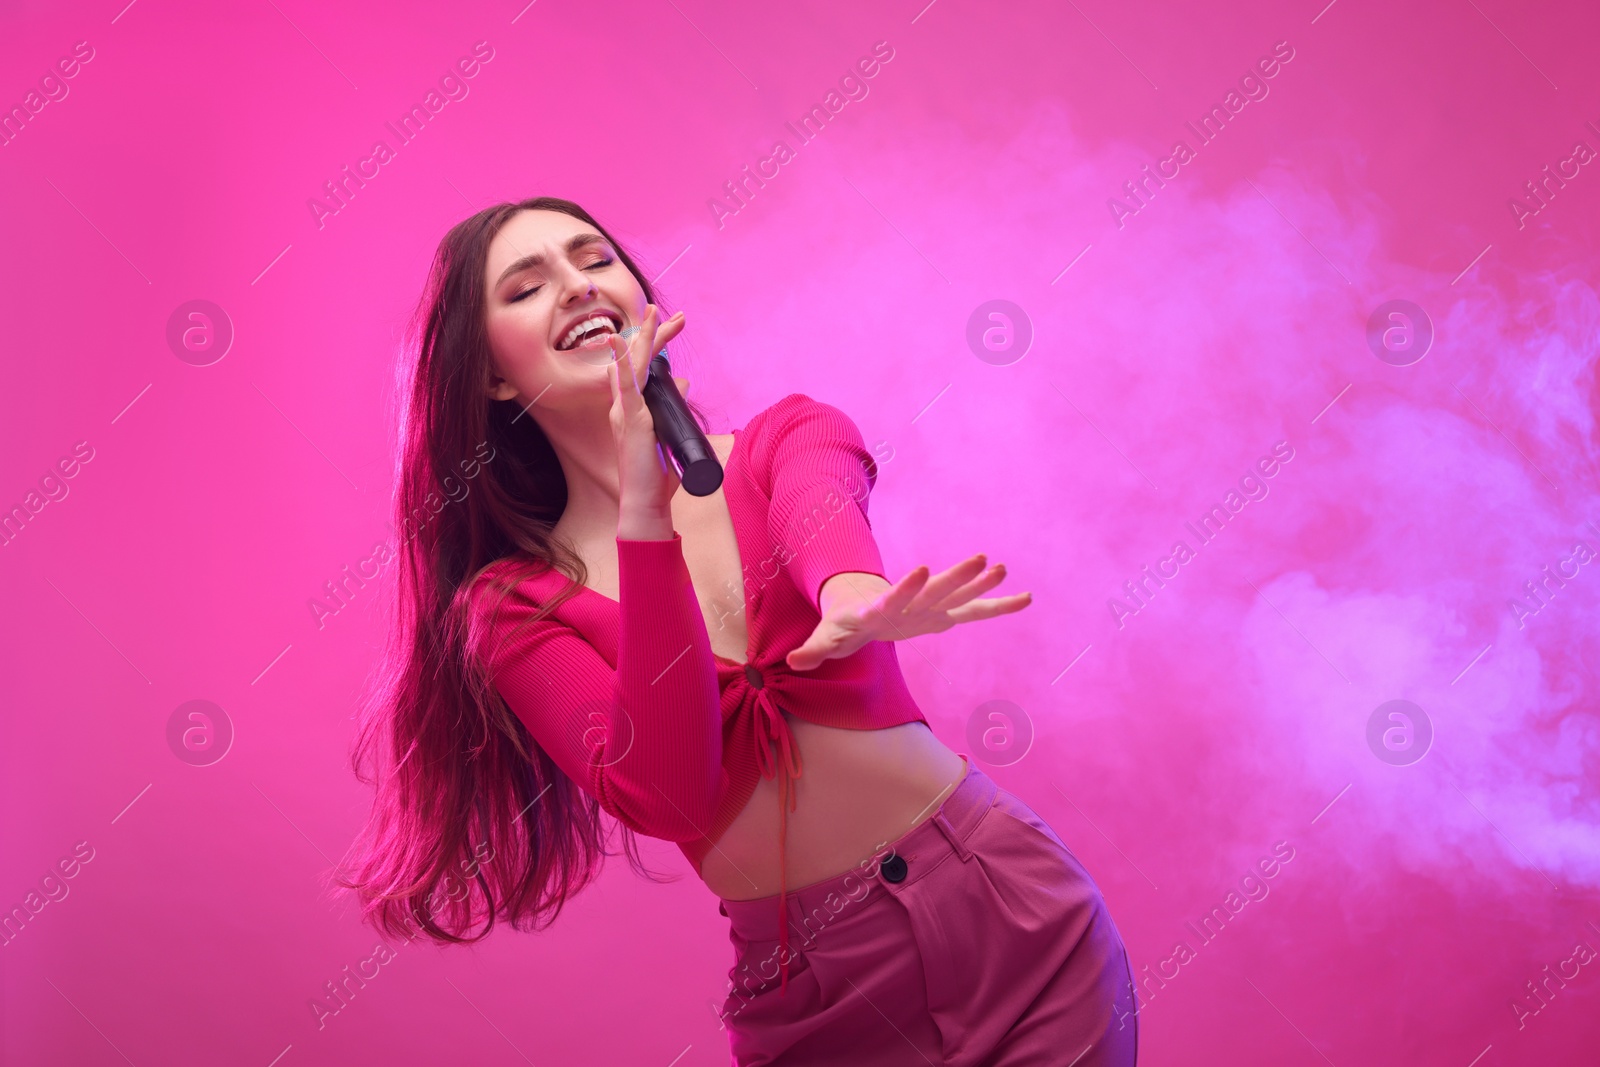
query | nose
(576,286)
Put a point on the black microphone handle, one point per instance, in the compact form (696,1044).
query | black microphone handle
(699,470)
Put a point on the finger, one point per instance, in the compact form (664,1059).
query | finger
(646,353)
(896,598)
(624,379)
(635,347)
(645,339)
(804,658)
(988,609)
(981,584)
(641,346)
(946,582)
(810,654)
(668,330)
(618,411)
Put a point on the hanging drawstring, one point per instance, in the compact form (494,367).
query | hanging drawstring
(772,728)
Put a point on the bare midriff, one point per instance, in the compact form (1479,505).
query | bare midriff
(858,790)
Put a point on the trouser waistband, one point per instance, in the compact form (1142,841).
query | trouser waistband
(920,850)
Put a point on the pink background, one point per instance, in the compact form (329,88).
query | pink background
(1227,315)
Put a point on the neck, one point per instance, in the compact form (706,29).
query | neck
(587,452)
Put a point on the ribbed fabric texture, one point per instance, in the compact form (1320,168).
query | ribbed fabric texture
(629,699)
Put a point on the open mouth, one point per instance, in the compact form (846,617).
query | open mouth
(592,331)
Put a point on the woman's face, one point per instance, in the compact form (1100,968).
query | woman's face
(546,276)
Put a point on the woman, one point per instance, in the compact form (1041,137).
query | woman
(577,636)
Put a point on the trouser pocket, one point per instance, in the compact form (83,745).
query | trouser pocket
(998,929)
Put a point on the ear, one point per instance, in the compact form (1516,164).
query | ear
(500,389)
(683,385)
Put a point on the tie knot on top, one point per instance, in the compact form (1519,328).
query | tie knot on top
(752,674)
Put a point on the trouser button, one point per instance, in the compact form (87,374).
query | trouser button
(893,869)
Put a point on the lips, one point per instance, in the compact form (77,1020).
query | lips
(589,330)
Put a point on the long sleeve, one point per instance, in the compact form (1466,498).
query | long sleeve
(819,475)
(646,738)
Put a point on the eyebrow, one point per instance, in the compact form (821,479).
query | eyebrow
(574,243)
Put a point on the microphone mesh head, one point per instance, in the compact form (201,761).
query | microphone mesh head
(628,333)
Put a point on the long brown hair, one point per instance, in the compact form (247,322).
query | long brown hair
(464,797)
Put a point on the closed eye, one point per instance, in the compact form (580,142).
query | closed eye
(534,289)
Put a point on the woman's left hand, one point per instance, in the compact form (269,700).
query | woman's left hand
(915,605)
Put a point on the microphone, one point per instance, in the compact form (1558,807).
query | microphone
(699,470)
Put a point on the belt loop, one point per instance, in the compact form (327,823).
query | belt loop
(950,835)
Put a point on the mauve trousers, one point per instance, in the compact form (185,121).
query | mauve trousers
(988,946)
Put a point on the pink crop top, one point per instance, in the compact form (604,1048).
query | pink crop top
(628,698)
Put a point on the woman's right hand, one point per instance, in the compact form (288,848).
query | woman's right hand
(646,475)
